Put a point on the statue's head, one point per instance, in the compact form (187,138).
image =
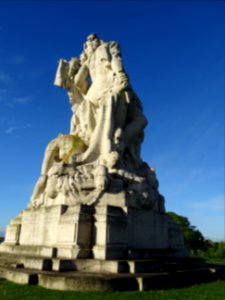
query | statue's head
(91,44)
(92,37)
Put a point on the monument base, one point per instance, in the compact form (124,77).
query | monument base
(107,275)
(113,230)
(81,247)
(108,247)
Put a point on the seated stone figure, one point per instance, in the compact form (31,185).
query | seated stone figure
(57,156)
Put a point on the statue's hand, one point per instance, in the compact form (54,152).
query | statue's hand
(121,83)
(123,80)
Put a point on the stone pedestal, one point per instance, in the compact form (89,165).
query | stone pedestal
(100,232)
(56,231)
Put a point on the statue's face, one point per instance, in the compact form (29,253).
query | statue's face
(91,44)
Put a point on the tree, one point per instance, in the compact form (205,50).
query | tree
(193,238)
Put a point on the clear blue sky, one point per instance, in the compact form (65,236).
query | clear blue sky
(173,52)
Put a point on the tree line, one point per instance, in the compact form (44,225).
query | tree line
(195,242)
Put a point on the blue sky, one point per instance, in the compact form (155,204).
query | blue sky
(173,52)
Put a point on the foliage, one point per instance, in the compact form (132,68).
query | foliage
(209,291)
(215,251)
(196,243)
(193,238)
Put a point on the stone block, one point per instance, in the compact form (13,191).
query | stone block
(49,231)
(100,282)
(75,227)
(39,251)
(13,234)
(77,283)
(147,229)
(13,231)
(110,232)
(145,266)
(61,265)
(40,225)
(91,266)
(74,235)
(21,277)
(72,252)
(36,263)
(176,239)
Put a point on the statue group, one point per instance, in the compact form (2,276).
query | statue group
(102,152)
(96,198)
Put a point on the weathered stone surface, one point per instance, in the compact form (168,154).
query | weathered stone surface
(25,277)
(39,226)
(102,152)
(111,233)
(60,231)
(100,282)
(39,251)
(13,231)
(105,275)
(95,199)
(91,266)
(147,229)
(175,238)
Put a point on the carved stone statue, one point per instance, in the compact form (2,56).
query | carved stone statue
(95,197)
(107,129)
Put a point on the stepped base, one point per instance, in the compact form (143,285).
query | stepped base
(107,275)
(101,248)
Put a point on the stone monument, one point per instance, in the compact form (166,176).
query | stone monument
(96,198)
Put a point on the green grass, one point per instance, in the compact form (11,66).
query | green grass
(216,260)
(209,291)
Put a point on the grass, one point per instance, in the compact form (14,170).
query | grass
(209,291)
(216,260)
